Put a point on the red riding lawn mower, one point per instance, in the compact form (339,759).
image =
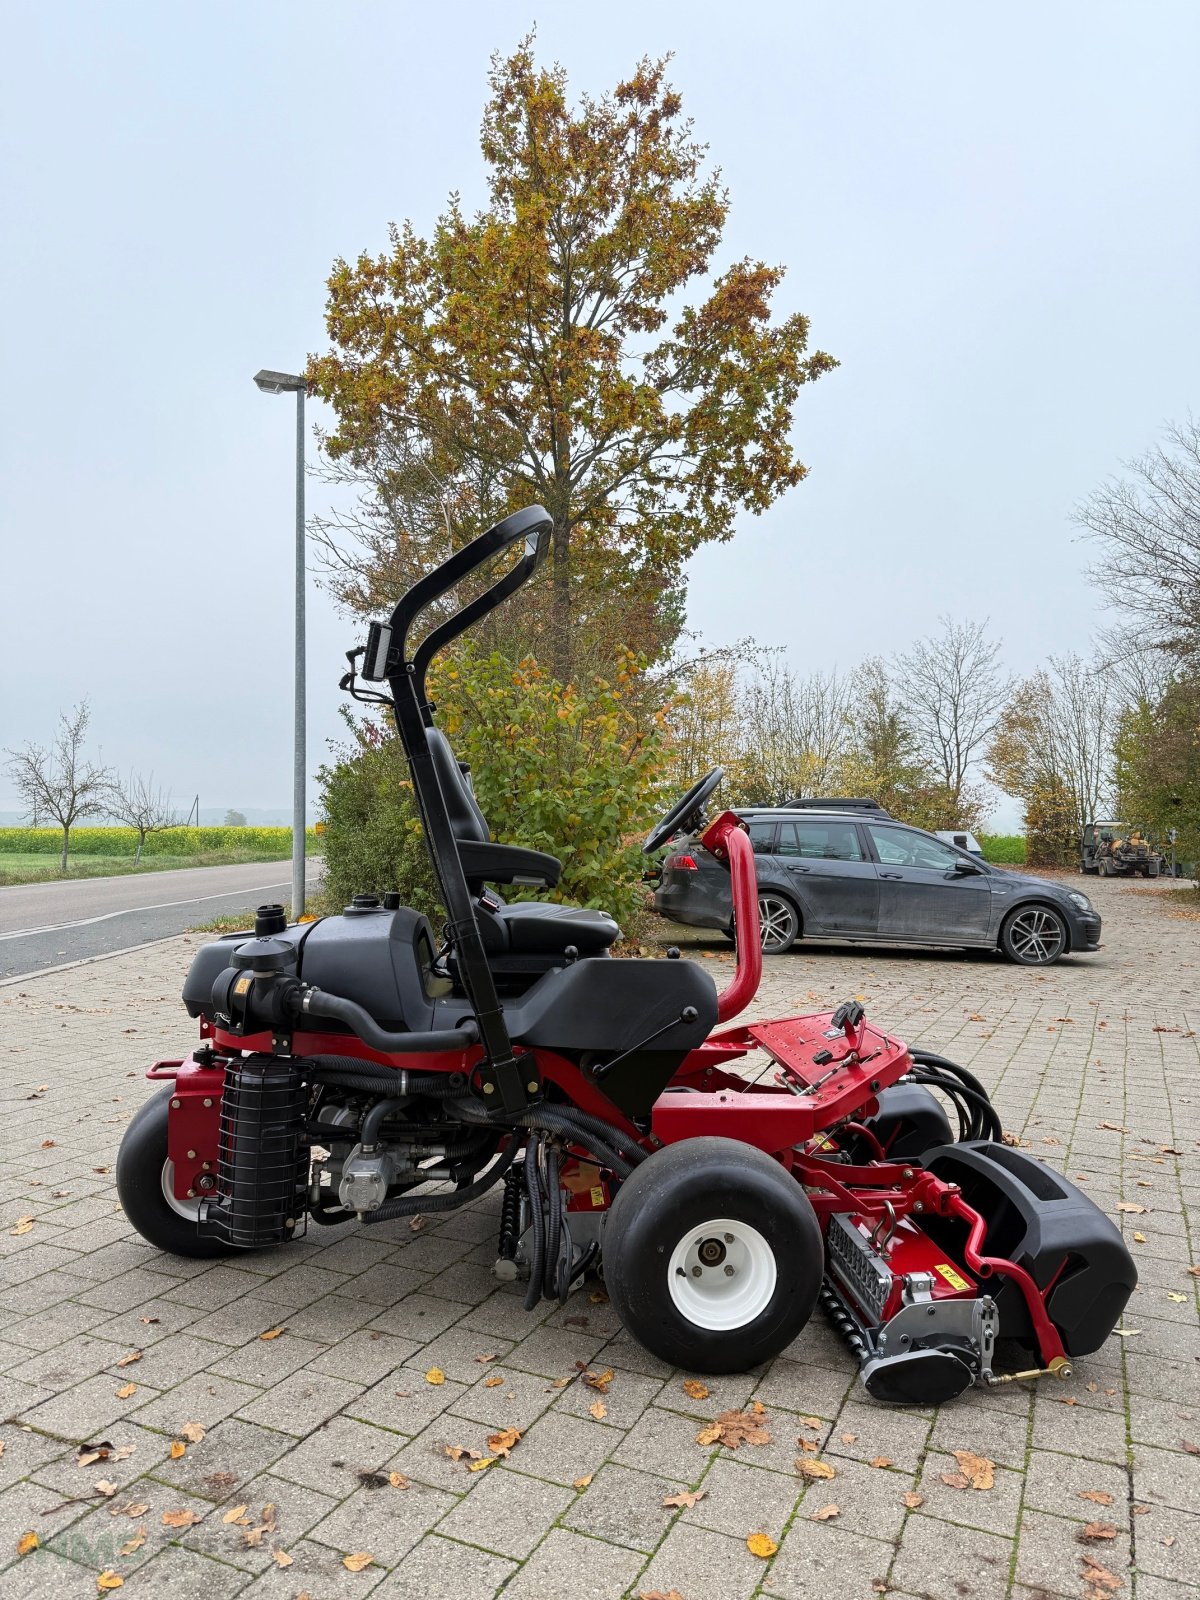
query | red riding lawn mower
(725,1180)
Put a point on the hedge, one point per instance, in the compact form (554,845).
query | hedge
(1005,849)
(171,842)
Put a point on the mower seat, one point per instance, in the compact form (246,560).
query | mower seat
(532,930)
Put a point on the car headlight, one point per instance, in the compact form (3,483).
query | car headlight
(1081,900)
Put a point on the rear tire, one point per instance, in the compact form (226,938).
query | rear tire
(779,921)
(145,1182)
(1034,936)
(712,1255)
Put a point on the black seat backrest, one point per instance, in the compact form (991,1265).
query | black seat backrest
(466,819)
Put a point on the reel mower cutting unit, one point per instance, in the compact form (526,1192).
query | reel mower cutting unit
(725,1178)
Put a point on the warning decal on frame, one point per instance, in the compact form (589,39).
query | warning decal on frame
(954,1279)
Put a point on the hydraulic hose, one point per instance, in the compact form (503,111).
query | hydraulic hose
(316,1002)
(410,1205)
(554,1221)
(537,1255)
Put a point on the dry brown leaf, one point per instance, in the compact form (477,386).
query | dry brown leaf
(1099,1497)
(134,1355)
(685,1497)
(659,1594)
(193,1432)
(26,1543)
(358,1562)
(849,1438)
(1099,1531)
(493,1382)
(503,1441)
(978,1470)
(1101,1579)
(955,1480)
(481,1463)
(761,1545)
(457,1451)
(598,1410)
(49,1144)
(125,1391)
(106,1487)
(825,1514)
(108,1579)
(136,1543)
(416,1223)
(599,1380)
(482,1359)
(815,1469)
(695,1390)
(912,1499)
(398,1480)
(273,1333)
(811,1445)
(880,1461)
(735,1428)
(24,1225)
(178,1449)
(436,1376)
(1113,1127)
(135,1508)
(253,1537)
(237,1514)
(1128,1205)
(183,1518)
(582,1483)
(281,1558)
(1140,1238)
(811,1422)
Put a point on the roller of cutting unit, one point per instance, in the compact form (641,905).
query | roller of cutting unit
(917,1324)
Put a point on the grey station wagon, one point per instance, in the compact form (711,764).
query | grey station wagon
(862,876)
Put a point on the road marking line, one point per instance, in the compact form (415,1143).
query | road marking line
(87,961)
(130,911)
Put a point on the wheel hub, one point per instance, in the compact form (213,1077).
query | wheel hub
(722,1275)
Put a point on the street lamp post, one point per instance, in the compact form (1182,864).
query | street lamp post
(290,383)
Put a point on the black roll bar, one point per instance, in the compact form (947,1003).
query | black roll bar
(386,657)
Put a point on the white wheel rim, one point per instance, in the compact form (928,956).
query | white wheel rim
(722,1275)
(189,1209)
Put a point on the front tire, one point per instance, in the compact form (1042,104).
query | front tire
(145,1184)
(712,1255)
(1034,936)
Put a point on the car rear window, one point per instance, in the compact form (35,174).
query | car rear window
(762,837)
(821,841)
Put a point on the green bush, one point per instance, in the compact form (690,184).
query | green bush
(265,842)
(374,841)
(1005,849)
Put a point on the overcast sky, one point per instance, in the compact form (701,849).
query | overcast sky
(988,212)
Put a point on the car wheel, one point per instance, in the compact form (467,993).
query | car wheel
(713,1255)
(1034,936)
(779,921)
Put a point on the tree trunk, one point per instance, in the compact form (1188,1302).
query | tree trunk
(560,555)
(137,854)
(62,866)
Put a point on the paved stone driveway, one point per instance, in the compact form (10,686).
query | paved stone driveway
(313,1422)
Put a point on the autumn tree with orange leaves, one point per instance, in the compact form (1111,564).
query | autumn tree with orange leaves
(542,349)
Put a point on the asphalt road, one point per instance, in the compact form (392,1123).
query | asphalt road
(51,924)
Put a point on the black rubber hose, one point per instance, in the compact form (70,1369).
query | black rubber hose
(537,1259)
(316,1002)
(554,1223)
(983,1122)
(552,1119)
(410,1206)
(968,1078)
(369,1132)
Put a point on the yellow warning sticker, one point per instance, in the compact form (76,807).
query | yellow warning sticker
(241,986)
(597,1195)
(954,1279)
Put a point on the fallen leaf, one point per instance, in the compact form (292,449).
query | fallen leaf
(1100,1578)
(695,1390)
(735,1428)
(811,1422)
(978,1469)
(193,1432)
(136,1543)
(24,1225)
(493,1382)
(178,1449)
(281,1558)
(1098,1531)
(1099,1497)
(1127,1333)
(125,1391)
(848,1438)
(27,1542)
(237,1514)
(1130,1206)
(600,1380)
(815,1469)
(880,1461)
(481,1463)
(134,1355)
(811,1445)
(272,1333)
(504,1441)
(685,1497)
(1113,1127)
(436,1376)
(482,1359)
(659,1594)
(179,1519)
(761,1545)
(358,1562)
(1179,1299)
(912,1499)
(106,1487)
(457,1451)
(109,1579)
(582,1483)
(49,1144)
(955,1480)
(1140,1238)
(825,1514)
(87,1453)
(598,1410)
(416,1223)
(398,1480)
(135,1508)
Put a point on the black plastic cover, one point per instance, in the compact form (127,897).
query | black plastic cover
(910,1120)
(1041,1221)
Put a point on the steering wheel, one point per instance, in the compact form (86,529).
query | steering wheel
(684,812)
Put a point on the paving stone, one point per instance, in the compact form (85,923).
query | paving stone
(333,1319)
(456,1351)
(625,1400)
(563,1448)
(386,1521)
(266,1362)
(330,1459)
(45,1575)
(740,1499)
(818,1558)
(508,1513)
(1167,1477)
(995,1510)
(935,1557)
(185,1575)
(317,1570)
(810,1391)
(226,1458)
(406,1401)
(1168,1545)
(625,1507)
(699,1563)
(663,1443)
(443,1569)
(204,1398)
(85,1411)
(566,1566)
(1050,1555)
(515,1403)
(302,1402)
(363,1357)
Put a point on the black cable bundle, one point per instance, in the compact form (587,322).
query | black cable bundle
(553,1267)
(977,1117)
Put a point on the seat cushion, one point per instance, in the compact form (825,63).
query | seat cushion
(536,928)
